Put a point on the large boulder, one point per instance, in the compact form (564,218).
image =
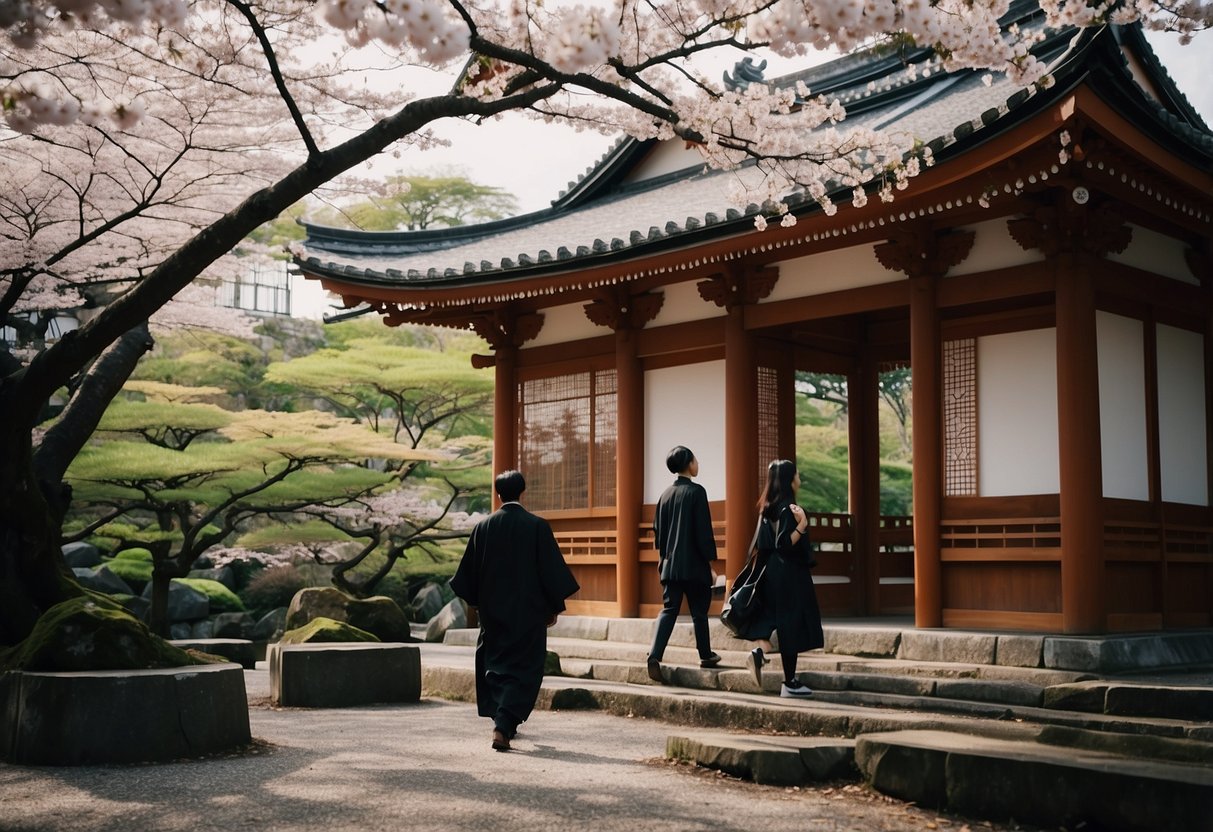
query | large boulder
(136,573)
(322,630)
(453,616)
(271,626)
(80,554)
(184,603)
(204,629)
(88,634)
(101,580)
(223,575)
(379,615)
(427,602)
(233,625)
(222,599)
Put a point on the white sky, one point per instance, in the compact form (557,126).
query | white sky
(535,160)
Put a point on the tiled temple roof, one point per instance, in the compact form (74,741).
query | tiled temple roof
(599,219)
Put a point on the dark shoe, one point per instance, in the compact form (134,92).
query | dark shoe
(500,742)
(795,689)
(756,663)
(710,661)
(655,671)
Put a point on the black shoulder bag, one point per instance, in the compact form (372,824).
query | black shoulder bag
(741,604)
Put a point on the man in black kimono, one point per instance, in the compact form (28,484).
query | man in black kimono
(682,526)
(513,572)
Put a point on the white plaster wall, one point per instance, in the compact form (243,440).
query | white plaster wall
(1017,413)
(1182,431)
(1158,253)
(682,303)
(666,157)
(830,271)
(566,323)
(684,406)
(993,248)
(1122,406)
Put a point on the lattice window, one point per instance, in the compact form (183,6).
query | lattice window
(768,418)
(566,440)
(960,417)
(605,433)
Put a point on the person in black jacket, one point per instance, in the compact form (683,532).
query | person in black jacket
(682,527)
(513,572)
(786,596)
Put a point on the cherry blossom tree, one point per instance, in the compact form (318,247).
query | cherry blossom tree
(86,75)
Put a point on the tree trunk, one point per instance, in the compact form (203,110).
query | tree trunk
(33,575)
(157,617)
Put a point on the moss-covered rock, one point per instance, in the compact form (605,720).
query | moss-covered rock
(137,573)
(139,554)
(320,630)
(88,633)
(379,615)
(222,599)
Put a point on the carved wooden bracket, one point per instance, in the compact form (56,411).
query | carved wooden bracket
(505,328)
(617,309)
(737,287)
(919,253)
(1200,263)
(1071,227)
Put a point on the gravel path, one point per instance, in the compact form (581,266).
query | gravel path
(429,766)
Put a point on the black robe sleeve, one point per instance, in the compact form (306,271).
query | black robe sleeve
(466,583)
(555,578)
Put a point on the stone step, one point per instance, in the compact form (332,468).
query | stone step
(898,638)
(1008,779)
(765,759)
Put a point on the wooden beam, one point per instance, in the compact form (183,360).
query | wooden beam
(831,304)
(928,450)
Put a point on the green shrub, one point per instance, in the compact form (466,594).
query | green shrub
(271,588)
(326,630)
(222,599)
(137,553)
(137,573)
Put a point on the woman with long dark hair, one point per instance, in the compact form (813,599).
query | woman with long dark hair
(787,599)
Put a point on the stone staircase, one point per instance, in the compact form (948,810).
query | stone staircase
(1047,729)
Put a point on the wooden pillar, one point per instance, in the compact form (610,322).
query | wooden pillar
(627,314)
(927,442)
(1083,592)
(505,416)
(863,482)
(629,471)
(740,440)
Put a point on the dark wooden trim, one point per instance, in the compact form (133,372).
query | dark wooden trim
(1040,622)
(1133,622)
(566,367)
(681,359)
(1149,332)
(1183,514)
(629,469)
(740,439)
(979,508)
(997,323)
(1006,283)
(505,414)
(927,407)
(831,304)
(596,347)
(1170,298)
(691,335)
(1120,510)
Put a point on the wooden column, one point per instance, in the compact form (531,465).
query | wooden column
(629,471)
(863,439)
(505,330)
(505,416)
(927,444)
(733,291)
(740,440)
(1083,586)
(627,314)
(925,256)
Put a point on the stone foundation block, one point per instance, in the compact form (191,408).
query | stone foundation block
(122,716)
(941,646)
(1019,651)
(338,675)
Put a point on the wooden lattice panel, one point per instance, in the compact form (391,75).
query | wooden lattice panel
(960,417)
(1021,538)
(605,437)
(768,418)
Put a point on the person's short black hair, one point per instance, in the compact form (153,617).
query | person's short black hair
(678,459)
(509,485)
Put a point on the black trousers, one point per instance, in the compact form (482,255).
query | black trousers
(699,598)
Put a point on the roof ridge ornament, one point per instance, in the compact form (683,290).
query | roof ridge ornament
(745,72)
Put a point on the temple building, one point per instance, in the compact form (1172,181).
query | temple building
(1048,281)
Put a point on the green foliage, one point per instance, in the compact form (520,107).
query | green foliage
(197,358)
(276,534)
(896,489)
(272,588)
(135,553)
(418,202)
(136,573)
(283,229)
(222,599)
